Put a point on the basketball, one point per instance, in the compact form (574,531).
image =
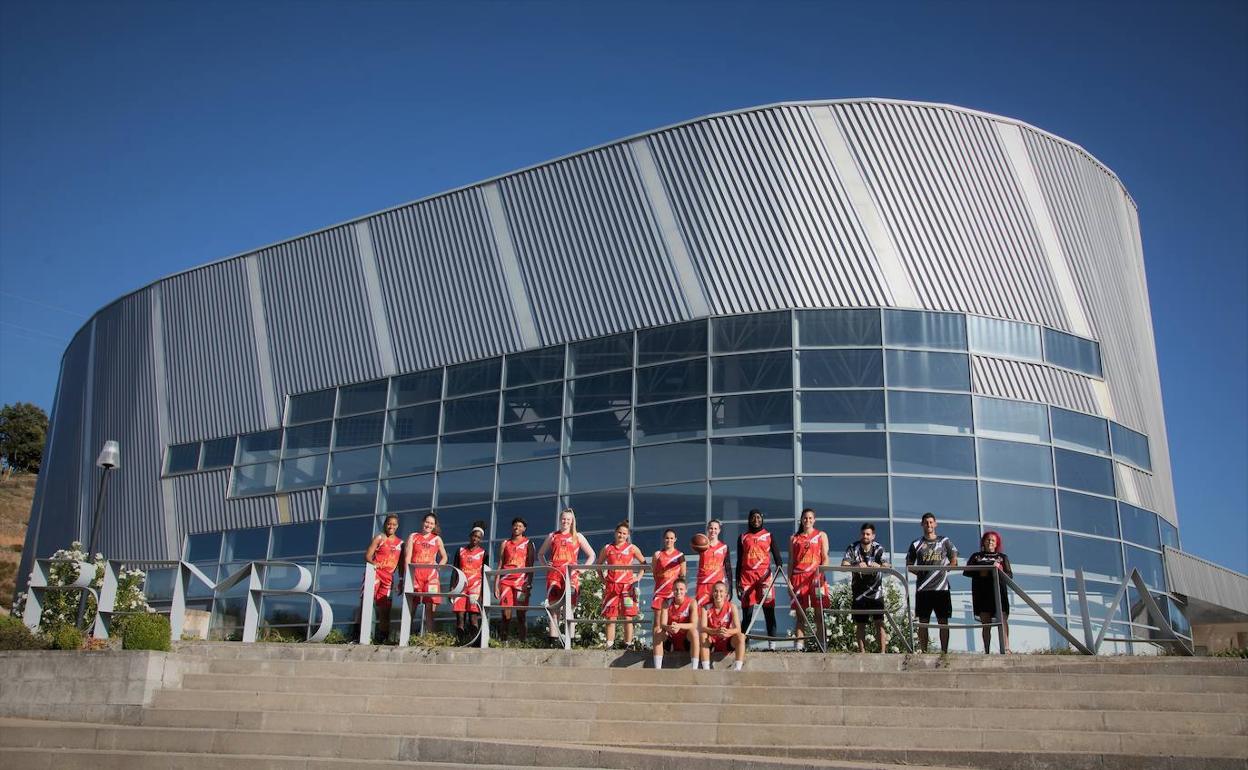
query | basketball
(700,542)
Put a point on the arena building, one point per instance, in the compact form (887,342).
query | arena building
(869,307)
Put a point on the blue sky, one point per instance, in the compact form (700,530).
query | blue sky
(139,139)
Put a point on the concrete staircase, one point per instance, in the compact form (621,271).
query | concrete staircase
(313,706)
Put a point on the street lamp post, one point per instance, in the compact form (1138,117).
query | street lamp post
(110,458)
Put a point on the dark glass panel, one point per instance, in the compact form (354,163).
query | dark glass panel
(1015,462)
(258,447)
(668,343)
(538,477)
(303,472)
(341,573)
(1139,526)
(535,402)
(286,610)
(670,381)
(218,453)
(1149,564)
(948,499)
(921,329)
(600,470)
(864,498)
(205,546)
(752,371)
(679,419)
(470,412)
(752,332)
(407,493)
(462,449)
(843,533)
(1129,445)
(599,430)
(842,409)
(929,412)
(410,457)
(1099,559)
(1084,513)
(457,524)
(158,585)
(1081,431)
(1013,420)
(414,422)
(182,458)
(841,368)
(934,455)
(751,455)
(356,465)
(1014,504)
(253,480)
(416,388)
(530,440)
(1003,338)
(538,513)
(308,407)
(844,453)
(1084,472)
(350,535)
(468,486)
(350,500)
(291,540)
(732,500)
(664,463)
(359,431)
(928,370)
(364,397)
(1031,552)
(600,355)
(663,506)
(308,439)
(607,391)
(752,412)
(246,544)
(1072,352)
(535,366)
(599,511)
(838,327)
(473,377)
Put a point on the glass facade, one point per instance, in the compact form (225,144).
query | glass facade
(864,415)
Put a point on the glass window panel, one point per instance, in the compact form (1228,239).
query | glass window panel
(1082,431)
(364,397)
(599,511)
(924,369)
(182,458)
(600,355)
(290,540)
(599,430)
(668,343)
(414,422)
(539,477)
(1099,559)
(530,440)
(308,439)
(1014,420)
(469,486)
(1072,352)
(308,407)
(842,533)
(461,449)
(351,535)
(651,540)
(674,504)
(752,412)
(752,332)
(1139,526)
(1084,513)
(842,410)
(286,610)
(844,453)
(934,455)
(258,447)
(601,470)
(1015,462)
(407,493)
(471,412)
(864,498)
(218,453)
(921,329)
(410,457)
(416,388)
(1014,504)
(679,419)
(303,472)
(457,524)
(1085,472)
(535,366)
(752,455)
(253,480)
(948,499)
(838,327)
(246,544)
(1169,533)
(733,500)
(473,377)
(841,368)
(535,402)
(669,381)
(1149,565)
(356,465)
(1030,552)
(359,431)
(753,371)
(205,546)
(1003,338)
(1129,445)
(195,589)
(607,391)
(929,412)
(158,585)
(350,500)
(538,513)
(662,463)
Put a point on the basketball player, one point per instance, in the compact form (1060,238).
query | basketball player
(384,554)
(678,625)
(713,566)
(470,560)
(619,586)
(563,547)
(423,548)
(808,552)
(668,567)
(721,628)
(757,554)
(515,588)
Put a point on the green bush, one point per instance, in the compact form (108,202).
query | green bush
(14,635)
(146,632)
(336,636)
(1232,652)
(64,638)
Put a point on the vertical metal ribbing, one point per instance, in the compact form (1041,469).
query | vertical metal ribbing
(87,466)
(372,292)
(161,405)
(505,249)
(260,332)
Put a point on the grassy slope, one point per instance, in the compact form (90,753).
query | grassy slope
(16,494)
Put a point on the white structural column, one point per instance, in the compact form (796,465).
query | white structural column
(669,231)
(882,245)
(260,328)
(167,499)
(372,291)
(521,308)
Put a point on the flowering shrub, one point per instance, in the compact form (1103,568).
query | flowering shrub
(60,608)
(840,626)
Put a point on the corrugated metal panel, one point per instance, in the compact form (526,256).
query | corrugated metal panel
(589,248)
(442,284)
(1199,579)
(316,306)
(213,385)
(1004,378)
(961,226)
(203,506)
(766,221)
(1143,485)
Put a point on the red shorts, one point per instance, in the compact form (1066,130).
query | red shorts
(381,588)
(659,600)
(464,604)
(512,595)
(619,601)
(554,587)
(703,596)
(426,581)
(751,588)
(679,642)
(721,643)
(809,590)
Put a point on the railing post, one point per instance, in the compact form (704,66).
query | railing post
(366,603)
(569,627)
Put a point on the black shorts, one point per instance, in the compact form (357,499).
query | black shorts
(927,602)
(861,616)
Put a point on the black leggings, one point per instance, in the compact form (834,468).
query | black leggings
(769,617)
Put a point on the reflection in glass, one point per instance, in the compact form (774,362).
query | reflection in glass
(1128,445)
(414,422)
(1011,339)
(1080,431)
(538,513)
(1015,504)
(364,397)
(205,546)
(843,533)
(921,329)
(1099,559)
(473,377)
(844,453)
(663,463)
(749,455)
(462,449)
(1084,472)
(838,327)
(535,366)
(600,355)
(279,610)
(841,368)
(599,430)
(218,453)
(536,402)
(350,500)
(933,455)
(246,544)
(862,497)
(416,388)
(929,412)
(1149,565)
(531,440)
(340,573)
(253,479)
(596,511)
(1031,552)
(1013,420)
(1169,533)
(410,457)
(663,506)
(291,540)
(457,524)
(1012,461)
(752,412)
(303,472)
(928,370)
(842,409)
(1084,513)
(752,332)
(359,431)
(407,493)
(948,499)
(600,470)
(1139,526)
(675,420)
(753,371)
(307,407)
(668,343)
(607,391)
(469,486)
(669,381)
(182,458)
(1072,352)
(356,465)
(308,439)
(470,412)
(732,500)
(538,477)
(258,447)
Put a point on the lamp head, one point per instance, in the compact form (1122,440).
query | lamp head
(110,456)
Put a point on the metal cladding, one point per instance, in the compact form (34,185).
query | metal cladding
(833,204)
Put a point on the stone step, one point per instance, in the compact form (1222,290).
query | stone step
(713,692)
(99,759)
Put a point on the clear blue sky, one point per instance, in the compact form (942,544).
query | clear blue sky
(139,139)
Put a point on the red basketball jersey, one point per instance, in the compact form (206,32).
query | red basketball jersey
(620,554)
(756,553)
(711,564)
(563,548)
(470,560)
(719,618)
(681,613)
(386,556)
(667,572)
(423,549)
(515,555)
(807,550)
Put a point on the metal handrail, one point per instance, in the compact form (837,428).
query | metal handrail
(889,571)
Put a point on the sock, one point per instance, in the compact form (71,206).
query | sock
(658,661)
(736,666)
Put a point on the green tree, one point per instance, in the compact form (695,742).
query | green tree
(23,429)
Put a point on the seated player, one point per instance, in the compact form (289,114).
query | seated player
(678,625)
(422,548)
(619,587)
(668,566)
(384,553)
(514,589)
(471,560)
(720,625)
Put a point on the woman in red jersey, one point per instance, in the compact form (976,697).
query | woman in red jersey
(678,625)
(619,586)
(563,547)
(470,560)
(384,553)
(668,567)
(720,625)
(515,588)
(425,548)
(758,561)
(713,565)
(808,553)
